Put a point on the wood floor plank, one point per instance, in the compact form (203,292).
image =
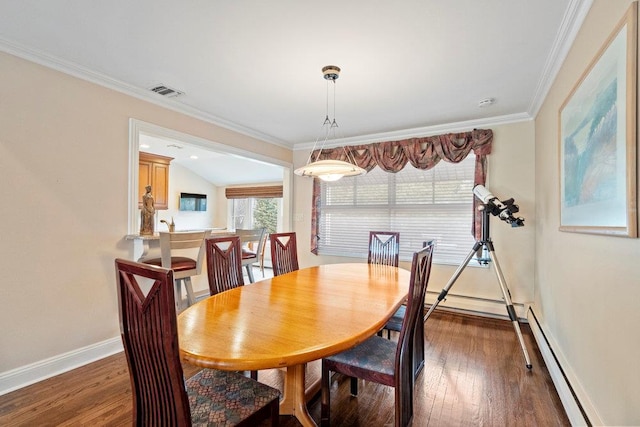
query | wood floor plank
(474,375)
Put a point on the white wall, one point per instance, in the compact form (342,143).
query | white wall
(587,287)
(510,174)
(64,157)
(182,180)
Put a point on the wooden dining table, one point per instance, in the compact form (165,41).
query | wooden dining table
(290,320)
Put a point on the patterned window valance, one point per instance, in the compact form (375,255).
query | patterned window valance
(422,153)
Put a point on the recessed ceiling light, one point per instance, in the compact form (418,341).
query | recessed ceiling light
(194,157)
(486,102)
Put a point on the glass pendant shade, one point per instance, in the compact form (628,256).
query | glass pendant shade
(330,170)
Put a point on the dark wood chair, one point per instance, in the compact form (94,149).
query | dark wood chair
(224,263)
(395,323)
(284,253)
(383,361)
(251,242)
(161,396)
(224,268)
(384,248)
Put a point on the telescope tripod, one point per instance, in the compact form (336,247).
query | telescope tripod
(487,243)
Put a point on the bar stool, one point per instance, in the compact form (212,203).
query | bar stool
(171,244)
(249,257)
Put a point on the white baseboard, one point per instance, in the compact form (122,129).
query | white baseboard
(479,306)
(41,370)
(570,402)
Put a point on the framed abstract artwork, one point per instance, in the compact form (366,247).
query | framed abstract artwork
(597,127)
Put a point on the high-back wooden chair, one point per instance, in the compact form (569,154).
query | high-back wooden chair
(284,253)
(250,255)
(161,396)
(383,361)
(384,248)
(395,323)
(173,248)
(224,266)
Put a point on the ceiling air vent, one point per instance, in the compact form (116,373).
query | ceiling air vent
(165,91)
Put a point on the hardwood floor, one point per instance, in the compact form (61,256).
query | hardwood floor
(474,375)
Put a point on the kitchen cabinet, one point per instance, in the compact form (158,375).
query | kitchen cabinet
(154,170)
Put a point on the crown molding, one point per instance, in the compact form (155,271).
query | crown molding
(420,132)
(76,70)
(573,19)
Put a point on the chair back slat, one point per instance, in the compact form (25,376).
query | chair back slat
(224,263)
(149,334)
(284,253)
(384,248)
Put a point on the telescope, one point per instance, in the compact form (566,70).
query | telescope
(504,209)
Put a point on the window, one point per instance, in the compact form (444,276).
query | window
(420,204)
(255,212)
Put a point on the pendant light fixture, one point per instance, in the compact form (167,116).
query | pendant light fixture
(329,170)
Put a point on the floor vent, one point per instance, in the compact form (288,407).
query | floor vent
(165,91)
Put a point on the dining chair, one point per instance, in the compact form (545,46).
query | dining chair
(224,264)
(224,267)
(284,253)
(161,396)
(249,238)
(173,248)
(395,323)
(384,249)
(381,360)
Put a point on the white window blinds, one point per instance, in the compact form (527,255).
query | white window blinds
(435,204)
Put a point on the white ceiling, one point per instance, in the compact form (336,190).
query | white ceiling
(219,168)
(409,68)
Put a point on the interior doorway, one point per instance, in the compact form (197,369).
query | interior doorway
(219,164)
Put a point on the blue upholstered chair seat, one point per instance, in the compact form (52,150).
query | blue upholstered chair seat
(220,398)
(376,354)
(395,323)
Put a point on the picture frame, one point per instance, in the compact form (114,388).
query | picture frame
(597,140)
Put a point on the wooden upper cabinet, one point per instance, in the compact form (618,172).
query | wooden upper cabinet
(154,170)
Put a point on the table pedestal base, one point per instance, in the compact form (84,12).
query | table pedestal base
(295,396)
